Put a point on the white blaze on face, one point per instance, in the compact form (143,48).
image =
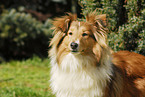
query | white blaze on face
(78,42)
(79,24)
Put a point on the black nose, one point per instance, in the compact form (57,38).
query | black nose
(74,45)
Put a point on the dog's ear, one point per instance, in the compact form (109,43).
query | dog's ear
(100,31)
(63,23)
(99,27)
(102,18)
(95,19)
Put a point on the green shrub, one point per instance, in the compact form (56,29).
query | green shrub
(21,35)
(126,22)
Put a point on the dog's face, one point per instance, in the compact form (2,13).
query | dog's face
(78,37)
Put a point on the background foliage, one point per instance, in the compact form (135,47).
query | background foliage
(126,22)
(21,35)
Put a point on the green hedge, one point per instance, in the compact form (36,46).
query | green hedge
(21,35)
(126,22)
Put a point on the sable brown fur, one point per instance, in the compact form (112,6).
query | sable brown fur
(132,69)
(123,71)
(131,63)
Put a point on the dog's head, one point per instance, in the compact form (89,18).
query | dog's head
(79,37)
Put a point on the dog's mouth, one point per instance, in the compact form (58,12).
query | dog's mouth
(77,51)
(74,50)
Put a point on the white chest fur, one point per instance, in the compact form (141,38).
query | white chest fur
(78,77)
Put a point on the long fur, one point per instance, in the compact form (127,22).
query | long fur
(92,71)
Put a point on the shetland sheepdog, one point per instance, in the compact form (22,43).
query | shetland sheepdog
(83,65)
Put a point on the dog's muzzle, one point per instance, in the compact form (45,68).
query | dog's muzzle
(74,46)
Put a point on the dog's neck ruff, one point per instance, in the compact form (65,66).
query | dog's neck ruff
(78,76)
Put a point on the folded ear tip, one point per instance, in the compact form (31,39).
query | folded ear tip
(101,17)
(67,20)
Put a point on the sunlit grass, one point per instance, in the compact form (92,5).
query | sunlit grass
(28,78)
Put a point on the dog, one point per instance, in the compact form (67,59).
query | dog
(83,65)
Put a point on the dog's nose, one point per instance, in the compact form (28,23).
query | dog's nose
(74,45)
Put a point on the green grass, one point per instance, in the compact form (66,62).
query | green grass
(28,78)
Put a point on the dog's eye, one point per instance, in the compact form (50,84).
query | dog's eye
(84,34)
(70,33)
